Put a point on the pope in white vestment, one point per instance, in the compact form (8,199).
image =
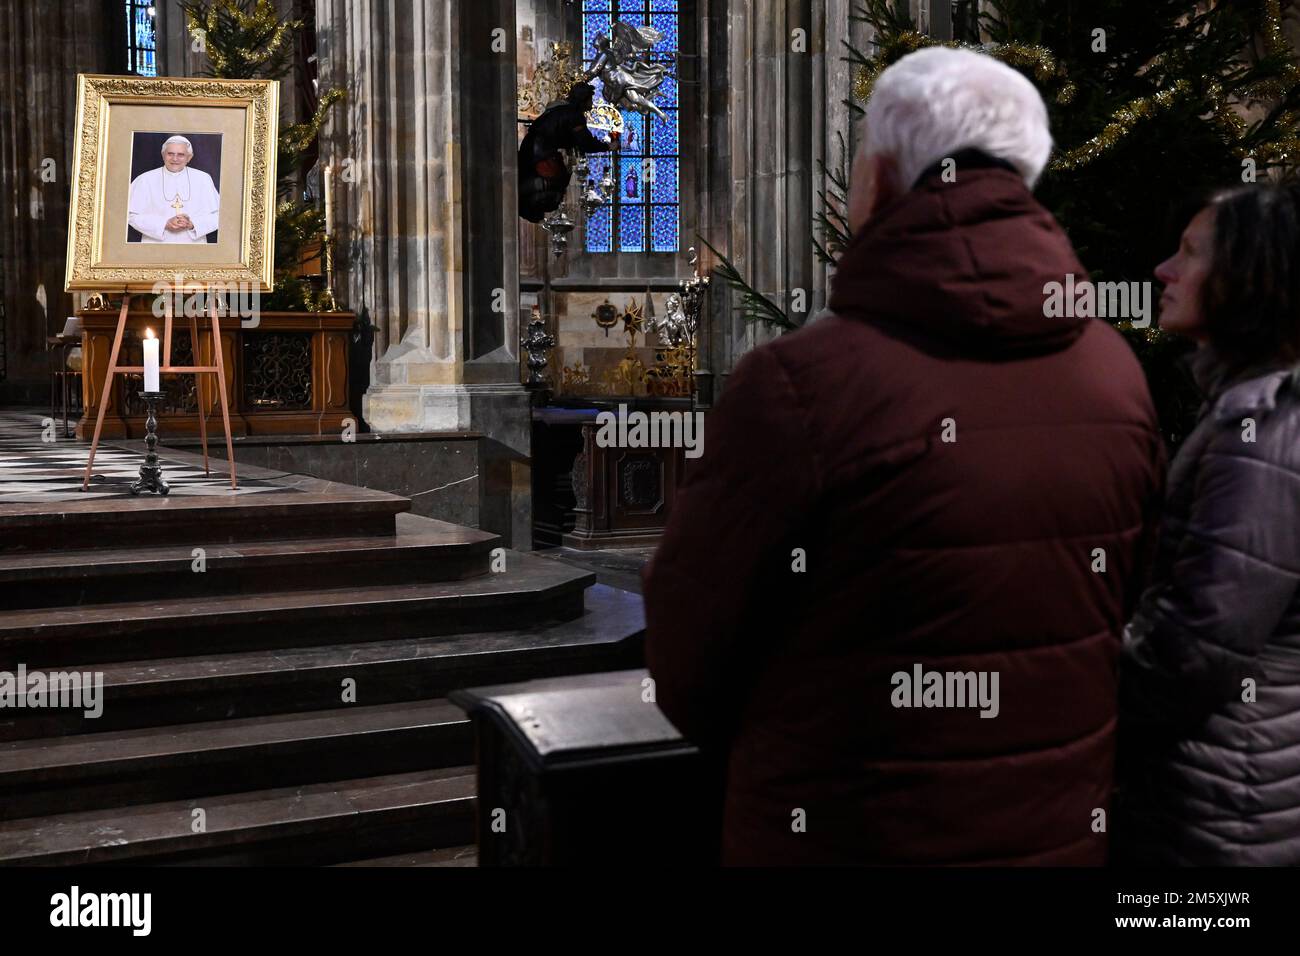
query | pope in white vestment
(174,203)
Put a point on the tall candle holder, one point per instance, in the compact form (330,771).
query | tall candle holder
(150,479)
(328,302)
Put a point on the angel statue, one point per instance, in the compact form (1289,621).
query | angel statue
(629,80)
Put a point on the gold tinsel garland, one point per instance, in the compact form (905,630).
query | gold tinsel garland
(262,18)
(1045,68)
(1038,59)
(298,137)
(1275,44)
(1124,121)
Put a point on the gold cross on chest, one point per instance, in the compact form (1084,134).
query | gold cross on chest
(177,204)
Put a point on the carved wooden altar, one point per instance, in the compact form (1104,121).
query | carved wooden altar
(623,495)
(286,376)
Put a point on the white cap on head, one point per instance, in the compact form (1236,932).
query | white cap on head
(936,101)
(178,139)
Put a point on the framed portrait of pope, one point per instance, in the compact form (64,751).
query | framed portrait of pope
(173,184)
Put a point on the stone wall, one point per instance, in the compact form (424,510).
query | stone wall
(43,46)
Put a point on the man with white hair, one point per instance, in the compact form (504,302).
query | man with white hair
(892,592)
(175,202)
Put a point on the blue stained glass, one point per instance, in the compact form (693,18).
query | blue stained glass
(625,225)
(600,230)
(631,228)
(664,229)
(663,134)
(142,38)
(593,25)
(663,188)
(665,23)
(633,133)
(667,93)
(631,187)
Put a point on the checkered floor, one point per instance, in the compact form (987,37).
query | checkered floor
(38,464)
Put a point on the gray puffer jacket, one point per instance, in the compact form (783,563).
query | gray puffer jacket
(1209,762)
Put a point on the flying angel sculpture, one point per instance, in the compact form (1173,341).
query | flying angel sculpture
(629,80)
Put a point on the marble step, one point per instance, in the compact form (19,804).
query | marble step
(529,589)
(606,636)
(335,511)
(117,768)
(313,824)
(452,856)
(423,549)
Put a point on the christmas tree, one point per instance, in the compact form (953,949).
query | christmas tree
(247,39)
(1153,106)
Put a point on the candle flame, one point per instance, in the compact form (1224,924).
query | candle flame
(148,333)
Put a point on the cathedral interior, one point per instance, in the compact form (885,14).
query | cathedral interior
(357,355)
(422,507)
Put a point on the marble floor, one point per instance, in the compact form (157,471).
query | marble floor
(617,567)
(38,464)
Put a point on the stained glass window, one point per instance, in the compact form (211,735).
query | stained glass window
(141,38)
(644,215)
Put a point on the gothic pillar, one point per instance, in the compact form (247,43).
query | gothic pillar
(423,149)
(43,46)
(417,247)
(776,108)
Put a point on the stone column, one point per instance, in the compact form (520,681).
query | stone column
(176,53)
(425,206)
(776,107)
(43,46)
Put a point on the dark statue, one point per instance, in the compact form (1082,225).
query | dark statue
(543,174)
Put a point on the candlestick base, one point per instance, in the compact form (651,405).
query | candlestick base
(150,479)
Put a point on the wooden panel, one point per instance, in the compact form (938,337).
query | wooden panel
(624,495)
(330,375)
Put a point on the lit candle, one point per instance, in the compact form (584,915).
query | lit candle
(329,200)
(150,362)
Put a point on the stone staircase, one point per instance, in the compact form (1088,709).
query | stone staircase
(286,703)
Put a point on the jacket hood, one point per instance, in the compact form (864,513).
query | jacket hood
(965,262)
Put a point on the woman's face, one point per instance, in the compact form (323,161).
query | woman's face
(1183,276)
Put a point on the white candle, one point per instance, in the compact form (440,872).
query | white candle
(150,362)
(329,200)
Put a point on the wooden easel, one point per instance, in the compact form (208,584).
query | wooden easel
(219,369)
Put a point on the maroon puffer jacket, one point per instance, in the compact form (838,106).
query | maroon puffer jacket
(970,555)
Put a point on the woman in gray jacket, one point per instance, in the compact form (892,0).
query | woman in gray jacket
(1210,674)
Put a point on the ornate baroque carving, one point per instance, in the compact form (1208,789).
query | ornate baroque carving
(277,370)
(640,482)
(578,478)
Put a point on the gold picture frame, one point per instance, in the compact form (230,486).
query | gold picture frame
(115,116)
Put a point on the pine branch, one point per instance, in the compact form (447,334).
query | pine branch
(298,138)
(831,226)
(244,39)
(753,305)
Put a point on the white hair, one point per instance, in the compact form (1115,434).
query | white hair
(937,101)
(177,139)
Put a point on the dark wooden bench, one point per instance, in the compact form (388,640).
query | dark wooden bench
(582,770)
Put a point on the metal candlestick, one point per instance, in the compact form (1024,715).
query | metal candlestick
(150,472)
(537,344)
(328,302)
